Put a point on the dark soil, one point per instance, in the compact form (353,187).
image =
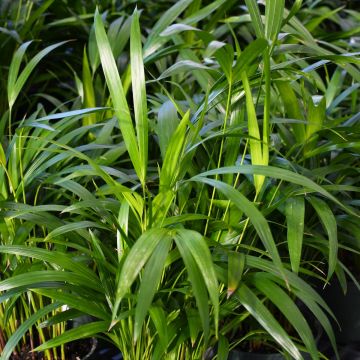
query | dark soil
(76,350)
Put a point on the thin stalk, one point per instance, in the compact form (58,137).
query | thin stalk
(21,316)
(55,333)
(182,353)
(275,192)
(42,338)
(18,13)
(2,334)
(144,217)
(227,111)
(267,100)
(2,340)
(234,186)
(245,227)
(9,125)
(254,132)
(62,347)
(29,9)
(21,167)
(12,188)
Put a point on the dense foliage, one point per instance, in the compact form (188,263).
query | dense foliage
(186,173)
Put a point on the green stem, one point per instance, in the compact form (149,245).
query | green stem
(227,111)
(267,100)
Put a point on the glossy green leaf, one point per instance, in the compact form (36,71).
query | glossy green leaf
(276,173)
(198,248)
(302,290)
(198,285)
(24,327)
(166,125)
(342,96)
(223,348)
(76,226)
(139,92)
(255,216)
(135,261)
(287,306)
(225,57)
(105,276)
(16,83)
(14,69)
(203,12)
(177,28)
(236,265)
(296,282)
(35,16)
(334,86)
(150,281)
(182,66)
(294,9)
(255,17)
(316,118)
(232,142)
(117,94)
(84,302)
(55,257)
(248,56)
(292,108)
(274,10)
(170,167)
(295,218)
(158,317)
(257,309)
(63,316)
(256,149)
(33,278)
(89,99)
(154,41)
(71,113)
(328,221)
(194,324)
(80,332)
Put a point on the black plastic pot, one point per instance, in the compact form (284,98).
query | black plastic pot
(240,355)
(92,349)
(82,349)
(105,351)
(346,309)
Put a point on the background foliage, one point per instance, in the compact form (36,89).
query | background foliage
(183,172)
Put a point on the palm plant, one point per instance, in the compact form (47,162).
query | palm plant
(21,144)
(186,217)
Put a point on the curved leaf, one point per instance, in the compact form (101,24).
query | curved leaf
(257,309)
(295,213)
(24,327)
(195,243)
(135,261)
(329,223)
(80,332)
(255,216)
(150,281)
(287,306)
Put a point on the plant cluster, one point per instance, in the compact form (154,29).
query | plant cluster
(183,173)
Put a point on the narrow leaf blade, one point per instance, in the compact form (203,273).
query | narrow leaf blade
(139,93)
(295,214)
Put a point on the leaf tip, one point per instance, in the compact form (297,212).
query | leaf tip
(230,292)
(113,323)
